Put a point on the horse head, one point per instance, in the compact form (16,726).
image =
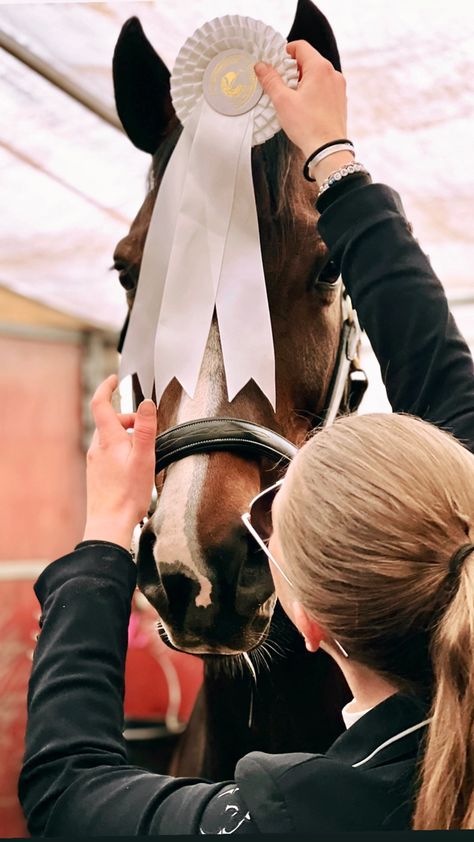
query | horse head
(197,564)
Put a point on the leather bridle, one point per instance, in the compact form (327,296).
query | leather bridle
(205,435)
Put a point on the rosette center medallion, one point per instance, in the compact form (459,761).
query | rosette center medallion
(230,85)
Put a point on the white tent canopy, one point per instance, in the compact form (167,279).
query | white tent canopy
(71,182)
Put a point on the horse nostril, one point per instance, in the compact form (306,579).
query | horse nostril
(148,577)
(255,571)
(180,590)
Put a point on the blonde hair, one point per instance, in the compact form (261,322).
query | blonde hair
(372,512)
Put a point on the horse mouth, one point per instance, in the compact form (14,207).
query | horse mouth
(221,614)
(247,638)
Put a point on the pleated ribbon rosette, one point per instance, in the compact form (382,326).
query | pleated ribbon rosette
(202,250)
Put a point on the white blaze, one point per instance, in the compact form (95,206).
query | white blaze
(175,518)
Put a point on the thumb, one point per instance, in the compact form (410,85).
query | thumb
(144,431)
(270,80)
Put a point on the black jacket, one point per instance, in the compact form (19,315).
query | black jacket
(426,366)
(76,779)
(364,781)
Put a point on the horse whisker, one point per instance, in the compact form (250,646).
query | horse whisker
(162,633)
(274,647)
(256,656)
(267,658)
(250,665)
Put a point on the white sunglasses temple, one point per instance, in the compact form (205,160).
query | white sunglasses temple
(262,544)
(246,519)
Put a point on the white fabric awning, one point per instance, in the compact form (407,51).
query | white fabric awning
(71,183)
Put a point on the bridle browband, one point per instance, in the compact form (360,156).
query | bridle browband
(205,435)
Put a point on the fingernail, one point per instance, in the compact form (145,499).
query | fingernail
(147,407)
(260,67)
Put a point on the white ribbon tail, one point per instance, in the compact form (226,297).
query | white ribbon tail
(203,252)
(137,356)
(199,241)
(242,303)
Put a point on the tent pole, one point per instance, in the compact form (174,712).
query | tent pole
(68,86)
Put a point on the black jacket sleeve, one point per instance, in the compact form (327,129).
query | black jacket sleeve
(76,779)
(426,365)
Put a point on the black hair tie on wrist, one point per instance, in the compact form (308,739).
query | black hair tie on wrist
(316,152)
(458,558)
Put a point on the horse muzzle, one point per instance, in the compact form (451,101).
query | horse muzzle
(226,611)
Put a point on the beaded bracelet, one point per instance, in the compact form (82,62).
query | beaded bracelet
(339,174)
(353,180)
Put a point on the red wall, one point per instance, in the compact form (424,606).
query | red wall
(42,477)
(42,485)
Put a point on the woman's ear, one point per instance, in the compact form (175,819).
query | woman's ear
(309,628)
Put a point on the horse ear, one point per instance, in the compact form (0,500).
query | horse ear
(311,25)
(142,88)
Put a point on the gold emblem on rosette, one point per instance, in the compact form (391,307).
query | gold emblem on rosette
(230,84)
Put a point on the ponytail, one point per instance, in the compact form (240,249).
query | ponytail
(446,795)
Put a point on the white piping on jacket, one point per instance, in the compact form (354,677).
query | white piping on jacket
(392,740)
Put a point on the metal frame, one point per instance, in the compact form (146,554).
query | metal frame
(59,80)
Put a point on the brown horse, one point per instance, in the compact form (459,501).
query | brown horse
(197,565)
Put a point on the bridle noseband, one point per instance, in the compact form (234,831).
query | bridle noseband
(205,435)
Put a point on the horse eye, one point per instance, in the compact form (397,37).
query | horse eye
(126,273)
(328,274)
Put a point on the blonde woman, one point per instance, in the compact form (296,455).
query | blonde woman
(371,550)
(379,571)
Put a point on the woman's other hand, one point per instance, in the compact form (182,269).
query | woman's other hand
(120,468)
(316,112)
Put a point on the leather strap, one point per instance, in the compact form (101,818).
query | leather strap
(341,376)
(204,435)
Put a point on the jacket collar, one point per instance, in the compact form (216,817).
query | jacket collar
(370,738)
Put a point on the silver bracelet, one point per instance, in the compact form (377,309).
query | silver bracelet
(339,174)
(331,150)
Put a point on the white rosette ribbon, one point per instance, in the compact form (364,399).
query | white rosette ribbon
(202,249)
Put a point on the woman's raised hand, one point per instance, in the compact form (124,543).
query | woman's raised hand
(120,468)
(316,112)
